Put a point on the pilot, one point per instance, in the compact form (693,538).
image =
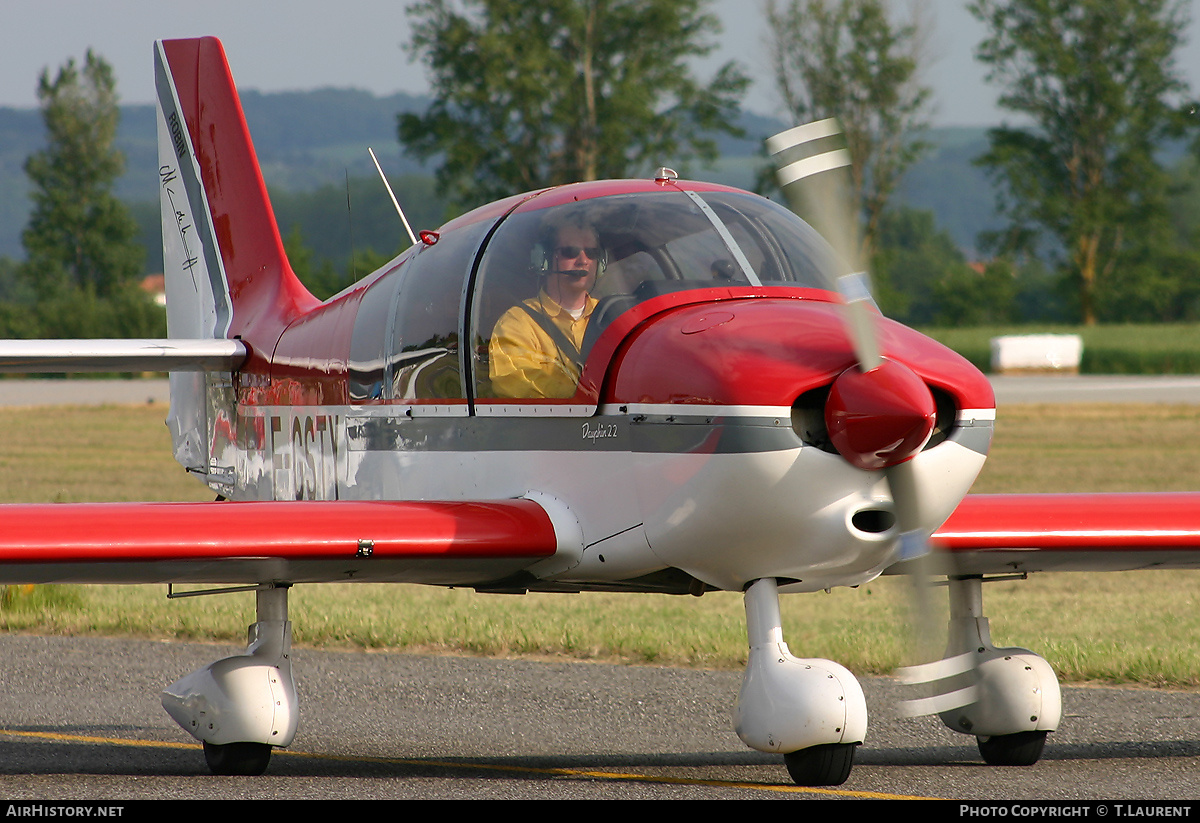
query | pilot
(535,347)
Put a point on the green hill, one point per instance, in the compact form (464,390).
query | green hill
(309,143)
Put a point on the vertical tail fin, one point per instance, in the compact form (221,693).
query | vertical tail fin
(226,271)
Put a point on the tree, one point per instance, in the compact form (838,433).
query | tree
(924,278)
(322,279)
(1156,279)
(1096,78)
(847,59)
(321,275)
(79,234)
(528,95)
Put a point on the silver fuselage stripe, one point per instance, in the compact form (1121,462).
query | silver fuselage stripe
(694,410)
(968,416)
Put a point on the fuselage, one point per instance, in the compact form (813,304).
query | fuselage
(694,451)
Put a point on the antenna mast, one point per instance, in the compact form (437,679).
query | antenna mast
(392,194)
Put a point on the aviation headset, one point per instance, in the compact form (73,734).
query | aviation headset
(547,240)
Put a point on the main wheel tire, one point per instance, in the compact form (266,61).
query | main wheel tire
(826,765)
(1020,749)
(237,758)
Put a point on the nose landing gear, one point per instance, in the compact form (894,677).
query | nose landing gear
(811,711)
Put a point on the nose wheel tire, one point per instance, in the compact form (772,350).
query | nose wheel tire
(237,758)
(1020,749)
(827,765)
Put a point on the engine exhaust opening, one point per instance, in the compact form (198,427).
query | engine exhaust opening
(873,521)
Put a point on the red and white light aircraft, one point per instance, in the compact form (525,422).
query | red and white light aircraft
(737,424)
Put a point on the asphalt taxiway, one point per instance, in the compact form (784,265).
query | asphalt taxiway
(80,719)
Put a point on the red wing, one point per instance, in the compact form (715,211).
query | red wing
(1072,532)
(447,543)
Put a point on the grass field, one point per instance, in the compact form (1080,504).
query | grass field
(1119,627)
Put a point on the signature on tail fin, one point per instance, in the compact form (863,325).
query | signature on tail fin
(226,271)
(227,275)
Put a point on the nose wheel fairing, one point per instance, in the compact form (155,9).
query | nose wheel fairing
(242,706)
(811,711)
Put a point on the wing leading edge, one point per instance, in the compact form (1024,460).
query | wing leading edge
(446,543)
(990,534)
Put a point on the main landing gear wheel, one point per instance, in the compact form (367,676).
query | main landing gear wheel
(1020,749)
(237,758)
(826,765)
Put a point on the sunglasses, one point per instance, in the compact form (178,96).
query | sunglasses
(571,252)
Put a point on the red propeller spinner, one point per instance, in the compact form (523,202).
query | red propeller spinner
(880,417)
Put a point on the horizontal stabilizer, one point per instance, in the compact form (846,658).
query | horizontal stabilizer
(133,355)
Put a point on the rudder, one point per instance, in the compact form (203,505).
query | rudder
(226,271)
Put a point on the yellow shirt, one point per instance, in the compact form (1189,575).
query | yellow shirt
(523,359)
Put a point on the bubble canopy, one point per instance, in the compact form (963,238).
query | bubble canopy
(650,242)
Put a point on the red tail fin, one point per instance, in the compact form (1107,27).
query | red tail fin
(227,274)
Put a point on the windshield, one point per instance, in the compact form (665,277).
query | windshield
(627,248)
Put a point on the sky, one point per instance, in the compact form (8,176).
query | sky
(307,44)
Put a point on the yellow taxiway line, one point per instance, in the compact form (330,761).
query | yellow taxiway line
(590,774)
